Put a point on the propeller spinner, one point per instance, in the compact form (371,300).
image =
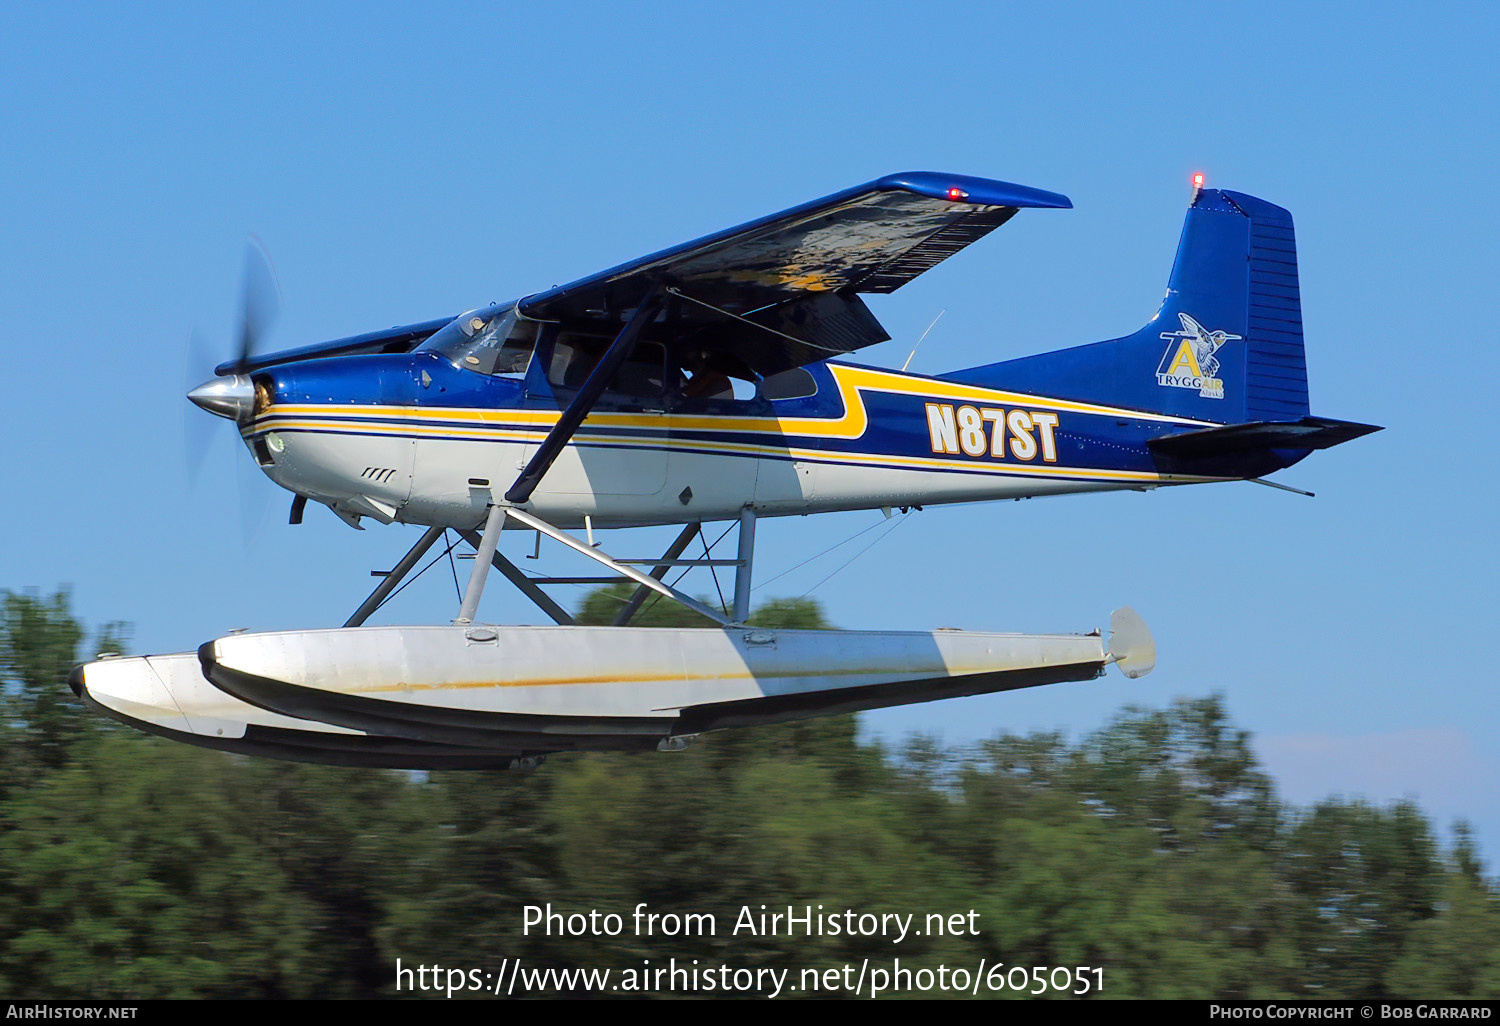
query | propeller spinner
(231,397)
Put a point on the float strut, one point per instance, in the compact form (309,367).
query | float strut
(520,580)
(659,571)
(533,521)
(385,587)
(493,523)
(746,561)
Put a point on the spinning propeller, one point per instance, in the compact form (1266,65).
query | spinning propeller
(231,394)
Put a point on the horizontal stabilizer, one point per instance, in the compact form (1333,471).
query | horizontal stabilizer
(1307,433)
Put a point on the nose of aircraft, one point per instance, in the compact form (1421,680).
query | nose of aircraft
(230,397)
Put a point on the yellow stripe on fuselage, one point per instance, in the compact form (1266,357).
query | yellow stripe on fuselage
(852,423)
(530,426)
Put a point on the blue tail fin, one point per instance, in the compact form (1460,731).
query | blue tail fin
(1226,345)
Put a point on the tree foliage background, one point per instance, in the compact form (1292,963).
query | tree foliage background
(1156,848)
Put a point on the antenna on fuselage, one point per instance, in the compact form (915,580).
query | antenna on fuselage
(919,341)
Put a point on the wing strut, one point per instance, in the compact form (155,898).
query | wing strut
(604,371)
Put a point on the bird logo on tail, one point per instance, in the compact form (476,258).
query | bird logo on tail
(1190,362)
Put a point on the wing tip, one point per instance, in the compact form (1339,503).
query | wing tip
(986,191)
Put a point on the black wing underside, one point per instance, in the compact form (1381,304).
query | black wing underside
(784,290)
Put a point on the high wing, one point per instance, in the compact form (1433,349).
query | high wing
(783,290)
(769,295)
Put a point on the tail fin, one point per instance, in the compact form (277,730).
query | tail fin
(1226,345)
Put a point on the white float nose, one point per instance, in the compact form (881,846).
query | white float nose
(232,398)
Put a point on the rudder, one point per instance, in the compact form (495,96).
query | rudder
(1275,363)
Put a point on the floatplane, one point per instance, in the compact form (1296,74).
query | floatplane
(710,382)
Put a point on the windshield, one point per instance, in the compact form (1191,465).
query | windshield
(492,341)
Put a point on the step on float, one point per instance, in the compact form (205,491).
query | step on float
(479,696)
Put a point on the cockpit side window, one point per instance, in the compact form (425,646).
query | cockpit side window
(502,347)
(499,345)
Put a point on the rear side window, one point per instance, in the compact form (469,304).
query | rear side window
(789,384)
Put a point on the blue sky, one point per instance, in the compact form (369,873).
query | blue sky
(402,163)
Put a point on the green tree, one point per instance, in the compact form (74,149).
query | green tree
(1362,878)
(351,846)
(601,605)
(1456,953)
(1185,773)
(493,851)
(131,874)
(39,717)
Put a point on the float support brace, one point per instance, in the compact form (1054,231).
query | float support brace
(388,585)
(746,562)
(493,523)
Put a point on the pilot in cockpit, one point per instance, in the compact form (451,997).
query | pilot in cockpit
(704,382)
